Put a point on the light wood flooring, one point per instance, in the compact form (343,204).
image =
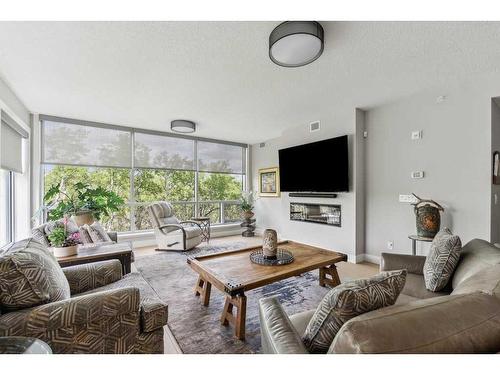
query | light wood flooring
(346,270)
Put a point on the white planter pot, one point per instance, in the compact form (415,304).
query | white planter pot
(67,251)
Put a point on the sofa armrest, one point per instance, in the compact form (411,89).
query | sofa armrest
(154,315)
(468,323)
(74,312)
(411,263)
(85,277)
(277,332)
(113,236)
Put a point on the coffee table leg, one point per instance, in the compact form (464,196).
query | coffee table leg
(329,276)
(240,302)
(203,289)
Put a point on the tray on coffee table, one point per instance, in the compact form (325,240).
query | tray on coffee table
(233,273)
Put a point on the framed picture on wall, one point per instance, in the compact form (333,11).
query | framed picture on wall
(496,168)
(269,182)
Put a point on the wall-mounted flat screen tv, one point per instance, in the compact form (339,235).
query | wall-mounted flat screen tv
(315,167)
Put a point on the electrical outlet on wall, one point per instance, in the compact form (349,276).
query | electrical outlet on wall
(390,245)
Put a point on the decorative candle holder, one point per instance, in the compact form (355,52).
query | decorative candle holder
(270,244)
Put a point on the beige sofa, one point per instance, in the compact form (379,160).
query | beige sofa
(464,318)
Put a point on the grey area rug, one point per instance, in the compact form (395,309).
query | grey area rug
(197,328)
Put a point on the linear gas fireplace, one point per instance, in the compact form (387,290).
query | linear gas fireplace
(329,214)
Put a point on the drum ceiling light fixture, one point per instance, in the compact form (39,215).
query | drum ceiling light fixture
(183,126)
(296,43)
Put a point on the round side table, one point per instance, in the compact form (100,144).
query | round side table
(204,222)
(414,238)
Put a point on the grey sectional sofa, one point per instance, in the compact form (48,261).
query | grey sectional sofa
(464,318)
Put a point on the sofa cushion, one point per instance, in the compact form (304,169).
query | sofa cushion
(475,255)
(442,259)
(301,320)
(468,323)
(415,287)
(486,281)
(30,276)
(347,301)
(97,233)
(38,233)
(154,312)
(85,237)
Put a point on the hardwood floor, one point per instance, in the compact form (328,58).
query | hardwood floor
(345,270)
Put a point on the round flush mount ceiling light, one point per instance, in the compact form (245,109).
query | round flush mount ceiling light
(296,43)
(183,126)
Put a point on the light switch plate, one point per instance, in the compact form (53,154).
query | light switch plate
(407,198)
(416,134)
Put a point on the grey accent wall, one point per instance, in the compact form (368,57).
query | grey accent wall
(274,212)
(454,153)
(495,189)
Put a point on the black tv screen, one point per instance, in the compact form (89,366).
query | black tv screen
(315,167)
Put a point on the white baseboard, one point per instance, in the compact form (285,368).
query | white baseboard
(356,258)
(371,258)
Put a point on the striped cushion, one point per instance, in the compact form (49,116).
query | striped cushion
(30,276)
(85,235)
(347,301)
(97,233)
(442,260)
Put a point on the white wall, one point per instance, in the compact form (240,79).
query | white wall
(455,154)
(275,212)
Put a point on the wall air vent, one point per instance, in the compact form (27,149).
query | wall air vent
(314,126)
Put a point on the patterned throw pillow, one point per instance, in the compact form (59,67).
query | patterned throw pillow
(442,260)
(97,233)
(85,235)
(30,276)
(347,301)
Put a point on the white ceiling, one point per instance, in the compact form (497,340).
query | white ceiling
(218,74)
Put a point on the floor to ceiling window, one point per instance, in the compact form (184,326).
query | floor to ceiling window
(13,139)
(199,177)
(6,217)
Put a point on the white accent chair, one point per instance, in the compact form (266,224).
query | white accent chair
(172,234)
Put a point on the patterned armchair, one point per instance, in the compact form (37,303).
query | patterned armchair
(172,234)
(90,308)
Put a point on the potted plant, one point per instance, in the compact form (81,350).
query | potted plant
(85,203)
(246,205)
(63,245)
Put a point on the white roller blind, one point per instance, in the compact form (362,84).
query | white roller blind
(220,157)
(73,144)
(157,151)
(11,141)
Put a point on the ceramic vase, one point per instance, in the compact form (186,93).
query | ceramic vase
(82,218)
(270,244)
(67,251)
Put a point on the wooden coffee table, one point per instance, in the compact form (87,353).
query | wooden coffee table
(97,253)
(233,273)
